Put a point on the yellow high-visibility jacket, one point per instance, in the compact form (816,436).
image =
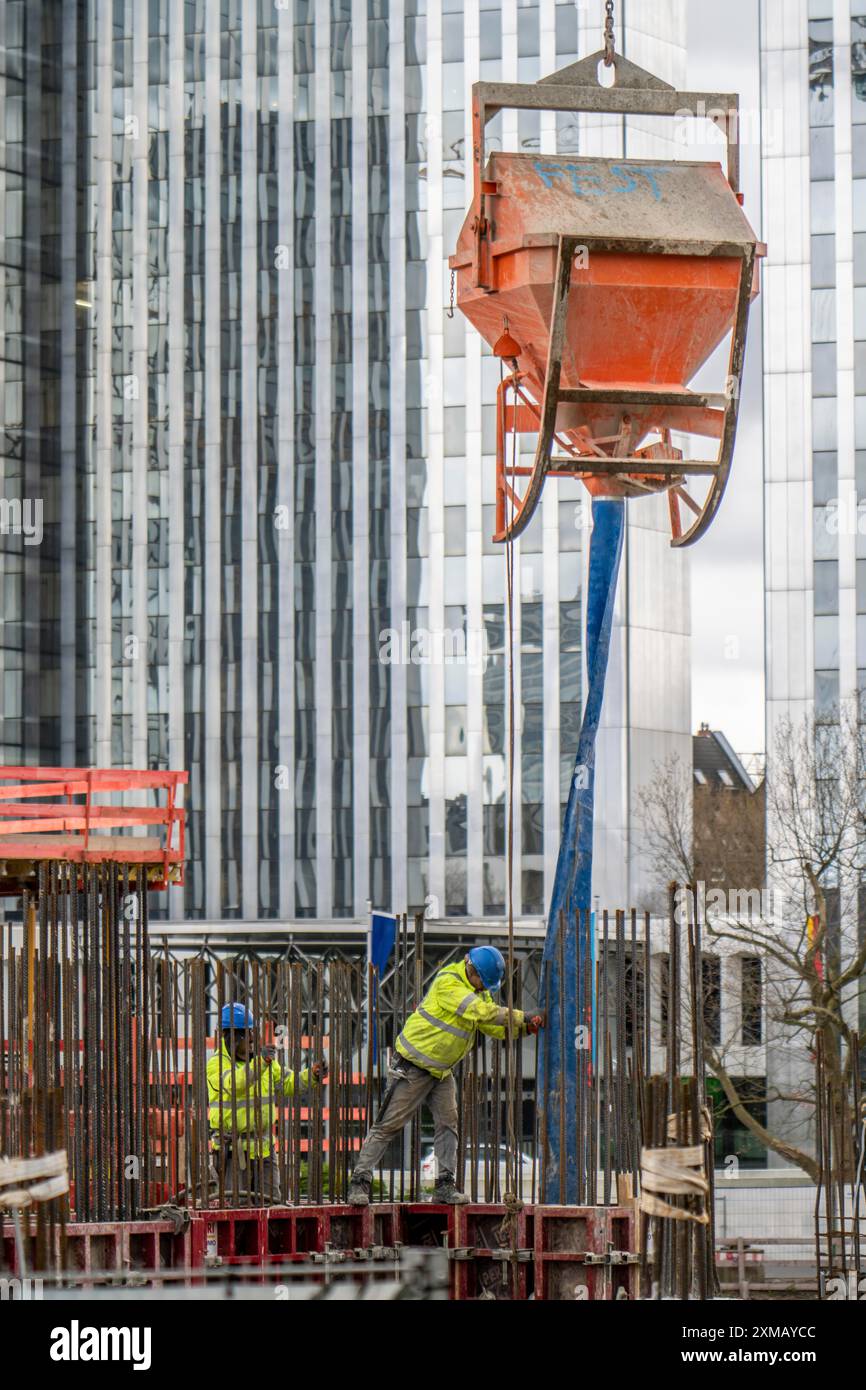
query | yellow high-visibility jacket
(442,1028)
(250,1121)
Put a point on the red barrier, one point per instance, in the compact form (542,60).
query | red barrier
(585,1253)
(547,1253)
(493,1253)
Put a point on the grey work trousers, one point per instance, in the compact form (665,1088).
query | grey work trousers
(408,1088)
(258,1179)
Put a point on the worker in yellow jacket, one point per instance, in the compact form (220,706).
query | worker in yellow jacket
(434,1039)
(242,1091)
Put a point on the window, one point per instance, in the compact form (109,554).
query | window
(827,694)
(532,822)
(664,983)
(858,73)
(826,574)
(711,992)
(824,478)
(824,316)
(491,34)
(533,891)
(823,155)
(823,369)
(822,197)
(566,29)
(732,1138)
(821,74)
(824,260)
(827,643)
(751,1000)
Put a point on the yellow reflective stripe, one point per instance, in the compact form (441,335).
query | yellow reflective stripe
(225,1106)
(440,1023)
(421,1057)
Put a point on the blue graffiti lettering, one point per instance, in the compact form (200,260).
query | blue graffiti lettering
(587,181)
(630,171)
(583,181)
(548,173)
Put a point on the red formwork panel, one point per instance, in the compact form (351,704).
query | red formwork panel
(429,1224)
(623,1234)
(154,1245)
(493,1259)
(561,1252)
(274,1235)
(9,1252)
(303,1231)
(584,1253)
(220,1237)
(382,1226)
(94,1246)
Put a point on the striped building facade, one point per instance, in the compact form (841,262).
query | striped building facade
(277,455)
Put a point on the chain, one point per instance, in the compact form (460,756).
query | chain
(451,305)
(608,34)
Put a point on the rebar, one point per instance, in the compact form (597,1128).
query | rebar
(105,1040)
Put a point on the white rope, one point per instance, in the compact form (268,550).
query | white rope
(706,1123)
(673,1172)
(46,1176)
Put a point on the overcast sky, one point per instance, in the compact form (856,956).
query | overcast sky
(727,564)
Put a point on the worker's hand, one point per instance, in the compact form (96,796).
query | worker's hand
(268,1053)
(532,1022)
(319,1072)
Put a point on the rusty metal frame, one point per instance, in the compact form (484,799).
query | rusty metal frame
(544,464)
(635,92)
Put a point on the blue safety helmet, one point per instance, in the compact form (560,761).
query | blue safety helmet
(489,964)
(236,1016)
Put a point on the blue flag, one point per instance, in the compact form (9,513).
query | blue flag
(380,944)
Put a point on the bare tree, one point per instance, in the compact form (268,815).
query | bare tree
(697,834)
(815,842)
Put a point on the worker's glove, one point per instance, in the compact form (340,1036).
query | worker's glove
(268,1053)
(532,1022)
(319,1072)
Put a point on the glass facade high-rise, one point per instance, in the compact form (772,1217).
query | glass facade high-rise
(283,464)
(814,310)
(39,495)
(814,69)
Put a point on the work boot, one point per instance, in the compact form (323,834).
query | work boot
(446,1192)
(359,1190)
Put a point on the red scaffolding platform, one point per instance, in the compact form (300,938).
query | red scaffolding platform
(63,813)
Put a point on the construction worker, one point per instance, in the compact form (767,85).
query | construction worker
(434,1039)
(241,1094)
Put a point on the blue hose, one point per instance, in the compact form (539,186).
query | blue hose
(572,885)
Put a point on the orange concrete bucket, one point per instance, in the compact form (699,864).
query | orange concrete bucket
(605,284)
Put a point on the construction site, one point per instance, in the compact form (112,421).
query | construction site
(409,1081)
